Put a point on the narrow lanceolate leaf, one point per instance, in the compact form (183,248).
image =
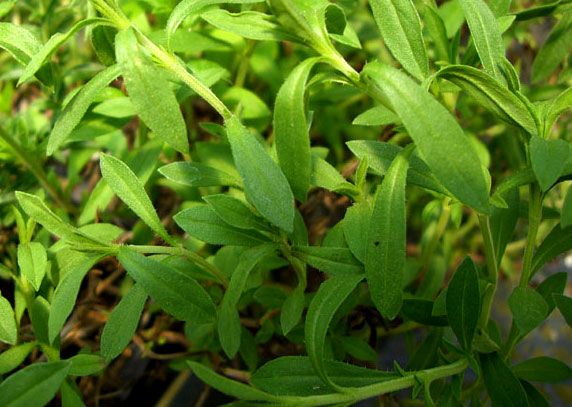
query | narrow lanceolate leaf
(486,35)
(33,260)
(35,385)
(150,93)
(503,386)
(324,305)
(8,329)
(555,284)
(129,188)
(265,185)
(386,239)
(228,320)
(175,291)
(19,42)
(400,28)
(528,308)
(48,49)
(558,241)
(556,107)
(548,159)
(440,140)
(230,387)
(78,105)
(235,212)
(503,222)
(66,293)
(486,91)
(198,175)
(331,260)
(356,221)
(122,322)
(13,357)
(543,369)
(564,305)
(464,302)
(554,49)
(291,129)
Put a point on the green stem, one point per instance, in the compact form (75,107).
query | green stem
(356,394)
(534,218)
(439,231)
(181,251)
(492,269)
(37,171)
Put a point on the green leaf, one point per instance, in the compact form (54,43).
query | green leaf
(332,260)
(538,11)
(198,175)
(421,311)
(33,261)
(295,376)
(400,27)
(548,159)
(440,140)
(8,329)
(380,155)
(437,30)
(191,8)
(19,42)
(150,93)
(558,241)
(324,175)
(85,365)
(486,35)
(203,223)
(291,133)
(566,218)
(292,308)
(555,107)
(235,212)
(175,291)
(386,239)
(122,322)
(77,107)
(376,116)
(228,386)
(13,357)
(528,308)
(265,185)
(503,222)
(357,348)
(464,302)
(228,325)
(35,385)
(535,398)
(131,190)
(66,292)
(248,24)
(49,48)
(503,386)
(554,49)
(543,369)
(356,221)
(324,305)
(554,284)
(489,93)
(564,305)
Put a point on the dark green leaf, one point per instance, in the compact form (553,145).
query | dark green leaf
(235,212)
(356,221)
(564,305)
(548,159)
(421,311)
(555,284)
(503,386)
(331,260)
(558,241)
(542,369)
(265,185)
(122,322)
(175,291)
(503,222)
(198,175)
(324,305)
(528,308)
(464,302)
(85,365)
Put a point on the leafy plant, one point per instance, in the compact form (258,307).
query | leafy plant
(138,137)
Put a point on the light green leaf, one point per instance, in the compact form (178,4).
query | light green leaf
(49,48)
(376,116)
(175,291)
(77,107)
(130,189)
(486,35)
(85,365)
(486,91)
(13,357)
(356,221)
(228,325)
(19,42)
(33,261)
(122,322)
(8,329)
(291,133)
(203,223)
(554,49)
(464,302)
(548,159)
(35,385)
(150,93)
(437,30)
(324,305)
(440,140)
(248,24)
(386,239)
(555,108)
(265,185)
(528,308)
(198,175)
(400,28)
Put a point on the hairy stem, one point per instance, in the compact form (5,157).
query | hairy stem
(492,270)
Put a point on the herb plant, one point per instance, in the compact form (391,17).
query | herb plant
(193,144)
